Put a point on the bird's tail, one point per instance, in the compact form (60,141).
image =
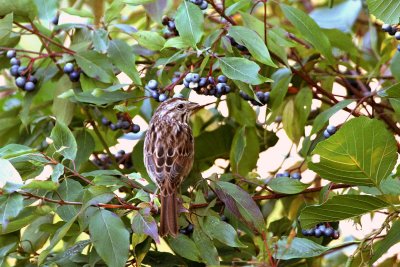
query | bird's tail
(169,215)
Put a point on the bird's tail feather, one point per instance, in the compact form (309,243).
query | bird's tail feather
(169,215)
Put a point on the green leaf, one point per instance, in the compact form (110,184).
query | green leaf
(86,146)
(24,218)
(189,22)
(22,9)
(185,247)
(62,108)
(286,185)
(114,11)
(208,251)
(361,152)
(393,91)
(35,239)
(245,142)
(110,237)
(309,29)
(392,238)
(242,69)
(69,190)
(253,42)
(144,223)
(64,141)
(297,248)
(8,173)
(95,65)
(45,185)
(340,208)
(324,116)
(240,203)
(150,40)
(176,42)
(78,12)
(386,10)
(10,206)
(291,122)
(242,4)
(121,55)
(282,78)
(100,40)
(6,27)
(222,231)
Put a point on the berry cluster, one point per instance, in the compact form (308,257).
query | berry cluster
(330,130)
(122,123)
(103,161)
(187,230)
(262,96)
(294,175)
(235,44)
(74,74)
(392,30)
(207,85)
(170,23)
(321,230)
(23,79)
(152,85)
(201,3)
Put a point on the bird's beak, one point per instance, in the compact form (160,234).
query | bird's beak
(193,107)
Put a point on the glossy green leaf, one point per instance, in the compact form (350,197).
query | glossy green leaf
(386,10)
(8,173)
(95,65)
(309,29)
(22,9)
(121,54)
(208,251)
(286,185)
(241,69)
(45,185)
(144,223)
(222,231)
(78,12)
(24,218)
(85,144)
(298,248)
(64,141)
(340,208)
(361,152)
(6,27)
(185,247)
(393,91)
(110,237)
(382,246)
(100,40)
(282,78)
(253,42)
(69,190)
(189,22)
(10,206)
(244,143)
(35,239)
(240,203)
(150,40)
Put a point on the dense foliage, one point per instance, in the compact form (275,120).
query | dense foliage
(81,77)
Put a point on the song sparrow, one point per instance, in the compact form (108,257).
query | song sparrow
(168,155)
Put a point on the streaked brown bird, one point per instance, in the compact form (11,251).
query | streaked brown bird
(168,156)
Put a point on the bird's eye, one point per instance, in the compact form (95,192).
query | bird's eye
(180,106)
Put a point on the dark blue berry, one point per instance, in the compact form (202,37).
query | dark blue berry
(304,232)
(241,47)
(55,20)
(113,127)
(152,85)
(386,27)
(20,82)
(183,231)
(222,79)
(212,91)
(74,76)
(125,125)
(286,174)
(244,95)
(335,234)
(203,5)
(186,83)
(195,77)
(331,129)
(14,70)
(327,134)
(311,232)
(162,97)
(224,218)
(21,70)
(119,124)
(11,53)
(220,88)
(197,2)
(227,89)
(211,80)
(15,61)
(328,232)
(135,128)
(155,95)
(260,96)
(171,25)
(190,228)
(266,97)
(322,227)
(398,48)
(397,35)
(317,233)
(279,175)
(296,176)
(32,79)
(29,86)
(175,79)
(68,68)
(189,77)
(105,121)
(203,82)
